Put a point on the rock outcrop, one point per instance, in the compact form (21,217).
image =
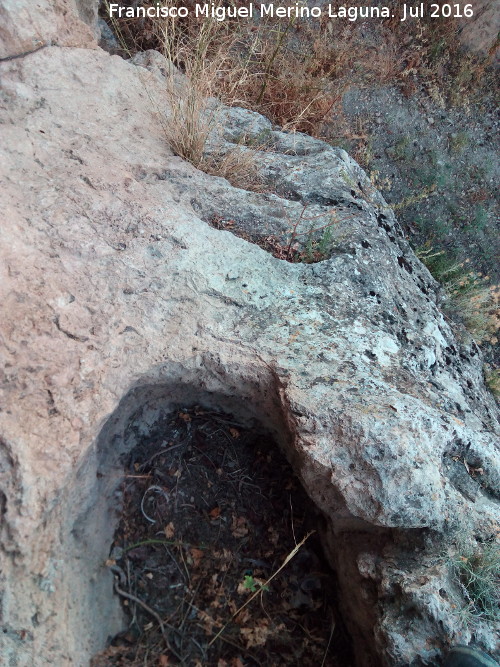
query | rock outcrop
(27,27)
(120,302)
(480,34)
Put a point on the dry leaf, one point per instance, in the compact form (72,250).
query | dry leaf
(163,661)
(242,589)
(208,622)
(169,530)
(239,527)
(214,513)
(185,416)
(234,432)
(196,555)
(243,617)
(256,636)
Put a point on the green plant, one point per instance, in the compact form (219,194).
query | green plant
(319,238)
(479,219)
(253,585)
(492,379)
(289,557)
(440,228)
(425,193)
(317,248)
(400,148)
(442,266)
(425,176)
(470,295)
(477,572)
(444,175)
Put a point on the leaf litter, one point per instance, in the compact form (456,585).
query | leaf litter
(215,557)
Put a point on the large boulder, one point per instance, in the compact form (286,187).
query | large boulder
(26,26)
(480,33)
(120,302)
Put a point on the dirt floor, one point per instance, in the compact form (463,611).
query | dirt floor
(208,559)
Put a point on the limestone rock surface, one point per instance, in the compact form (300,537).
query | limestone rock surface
(119,302)
(480,33)
(26,26)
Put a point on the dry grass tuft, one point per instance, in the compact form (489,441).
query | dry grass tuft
(198,58)
(238,165)
(472,298)
(296,71)
(477,572)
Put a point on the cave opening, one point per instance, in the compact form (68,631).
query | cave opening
(213,546)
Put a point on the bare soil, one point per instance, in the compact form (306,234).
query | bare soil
(211,512)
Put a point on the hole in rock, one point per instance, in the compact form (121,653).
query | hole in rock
(211,511)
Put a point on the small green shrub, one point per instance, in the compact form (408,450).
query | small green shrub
(401,149)
(317,249)
(480,218)
(492,379)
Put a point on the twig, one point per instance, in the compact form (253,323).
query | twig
(138,601)
(241,648)
(185,567)
(285,562)
(294,232)
(167,450)
(291,518)
(152,613)
(172,543)
(271,60)
(329,641)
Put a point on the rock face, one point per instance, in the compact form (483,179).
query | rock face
(120,303)
(26,26)
(480,34)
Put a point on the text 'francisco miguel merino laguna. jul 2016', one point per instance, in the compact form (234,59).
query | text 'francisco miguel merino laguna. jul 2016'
(294,11)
